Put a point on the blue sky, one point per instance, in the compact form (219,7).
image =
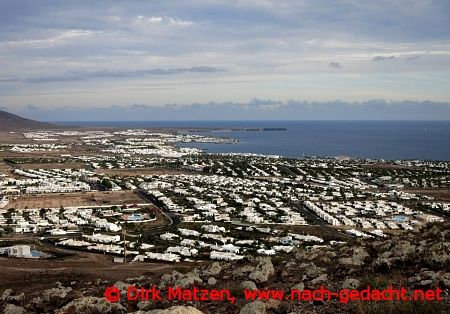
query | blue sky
(214,59)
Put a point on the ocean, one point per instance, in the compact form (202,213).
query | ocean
(364,139)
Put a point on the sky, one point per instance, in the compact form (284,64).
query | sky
(217,59)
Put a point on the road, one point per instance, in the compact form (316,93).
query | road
(173,219)
(320,222)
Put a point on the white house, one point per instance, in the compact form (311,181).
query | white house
(57,232)
(4,202)
(21,251)
(225,256)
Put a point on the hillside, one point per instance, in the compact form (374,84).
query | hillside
(414,260)
(12,122)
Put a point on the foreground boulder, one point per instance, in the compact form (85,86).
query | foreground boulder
(262,271)
(55,295)
(214,270)
(358,255)
(12,309)
(256,307)
(177,310)
(178,279)
(248,285)
(351,283)
(92,305)
(6,294)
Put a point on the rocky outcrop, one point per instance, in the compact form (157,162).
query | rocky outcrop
(263,271)
(351,284)
(243,270)
(13,309)
(300,286)
(356,258)
(214,270)
(256,307)
(177,310)
(55,295)
(92,305)
(212,281)
(6,294)
(312,271)
(123,287)
(248,285)
(321,280)
(178,279)
(438,254)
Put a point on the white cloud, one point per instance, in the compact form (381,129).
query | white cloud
(161,20)
(56,40)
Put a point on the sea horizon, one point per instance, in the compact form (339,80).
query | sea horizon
(371,139)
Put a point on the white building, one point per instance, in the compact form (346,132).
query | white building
(21,251)
(4,202)
(225,256)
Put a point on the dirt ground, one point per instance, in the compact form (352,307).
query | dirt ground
(438,194)
(139,171)
(5,169)
(31,276)
(39,154)
(75,199)
(53,166)
(13,138)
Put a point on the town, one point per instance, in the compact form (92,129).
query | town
(138,195)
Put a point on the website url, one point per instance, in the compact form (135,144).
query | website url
(345,296)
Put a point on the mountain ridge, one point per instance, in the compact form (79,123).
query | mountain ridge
(13,122)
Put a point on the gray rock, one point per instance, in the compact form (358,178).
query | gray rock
(300,255)
(382,262)
(6,294)
(212,281)
(314,271)
(438,254)
(92,305)
(351,284)
(177,310)
(445,279)
(256,307)
(291,264)
(168,279)
(188,280)
(144,305)
(13,309)
(320,280)
(16,298)
(123,287)
(404,250)
(262,271)
(300,286)
(244,270)
(214,270)
(357,258)
(55,295)
(38,302)
(178,279)
(414,279)
(272,304)
(427,282)
(248,285)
